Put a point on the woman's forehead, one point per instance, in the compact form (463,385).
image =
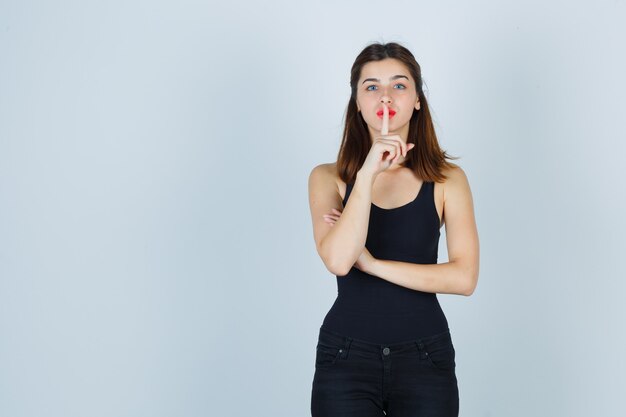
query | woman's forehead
(385,70)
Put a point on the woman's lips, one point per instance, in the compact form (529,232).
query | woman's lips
(391,114)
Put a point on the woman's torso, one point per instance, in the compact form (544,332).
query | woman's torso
(408,230)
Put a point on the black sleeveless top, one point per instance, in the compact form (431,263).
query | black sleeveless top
(373,309)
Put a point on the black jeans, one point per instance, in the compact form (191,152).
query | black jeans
(356,378)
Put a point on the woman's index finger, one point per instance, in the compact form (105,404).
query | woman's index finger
(385,128)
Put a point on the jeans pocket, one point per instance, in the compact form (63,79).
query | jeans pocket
(326,355)
(441,354)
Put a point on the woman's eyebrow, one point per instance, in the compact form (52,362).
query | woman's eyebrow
(395,77)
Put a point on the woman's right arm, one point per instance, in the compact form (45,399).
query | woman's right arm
(340,245)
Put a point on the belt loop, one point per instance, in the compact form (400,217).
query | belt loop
(346,347)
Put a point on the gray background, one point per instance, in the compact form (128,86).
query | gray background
(156,246)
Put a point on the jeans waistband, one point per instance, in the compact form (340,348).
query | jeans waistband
(330,337)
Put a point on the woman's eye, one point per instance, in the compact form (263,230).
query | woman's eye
(402,85)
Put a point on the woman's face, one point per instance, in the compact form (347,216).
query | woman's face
(390,82)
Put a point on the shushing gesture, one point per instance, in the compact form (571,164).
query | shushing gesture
(386,149)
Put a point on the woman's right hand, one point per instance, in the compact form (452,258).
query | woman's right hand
(385,151)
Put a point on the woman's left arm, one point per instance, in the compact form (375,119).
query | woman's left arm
(457,276)
(460,274)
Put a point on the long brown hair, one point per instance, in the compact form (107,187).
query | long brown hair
(427,160)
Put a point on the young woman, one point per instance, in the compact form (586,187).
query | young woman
(385,345)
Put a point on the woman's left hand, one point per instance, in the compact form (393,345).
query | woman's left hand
(366,259)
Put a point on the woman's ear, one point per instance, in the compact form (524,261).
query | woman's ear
(417,105)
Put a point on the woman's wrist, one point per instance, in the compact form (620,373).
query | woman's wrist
(365,176)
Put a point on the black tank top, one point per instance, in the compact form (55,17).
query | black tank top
(373,309)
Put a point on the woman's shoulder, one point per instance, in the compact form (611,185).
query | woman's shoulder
(327,172)
(453,173)
(456,180)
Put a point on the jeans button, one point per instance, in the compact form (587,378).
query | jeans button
(386,351)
